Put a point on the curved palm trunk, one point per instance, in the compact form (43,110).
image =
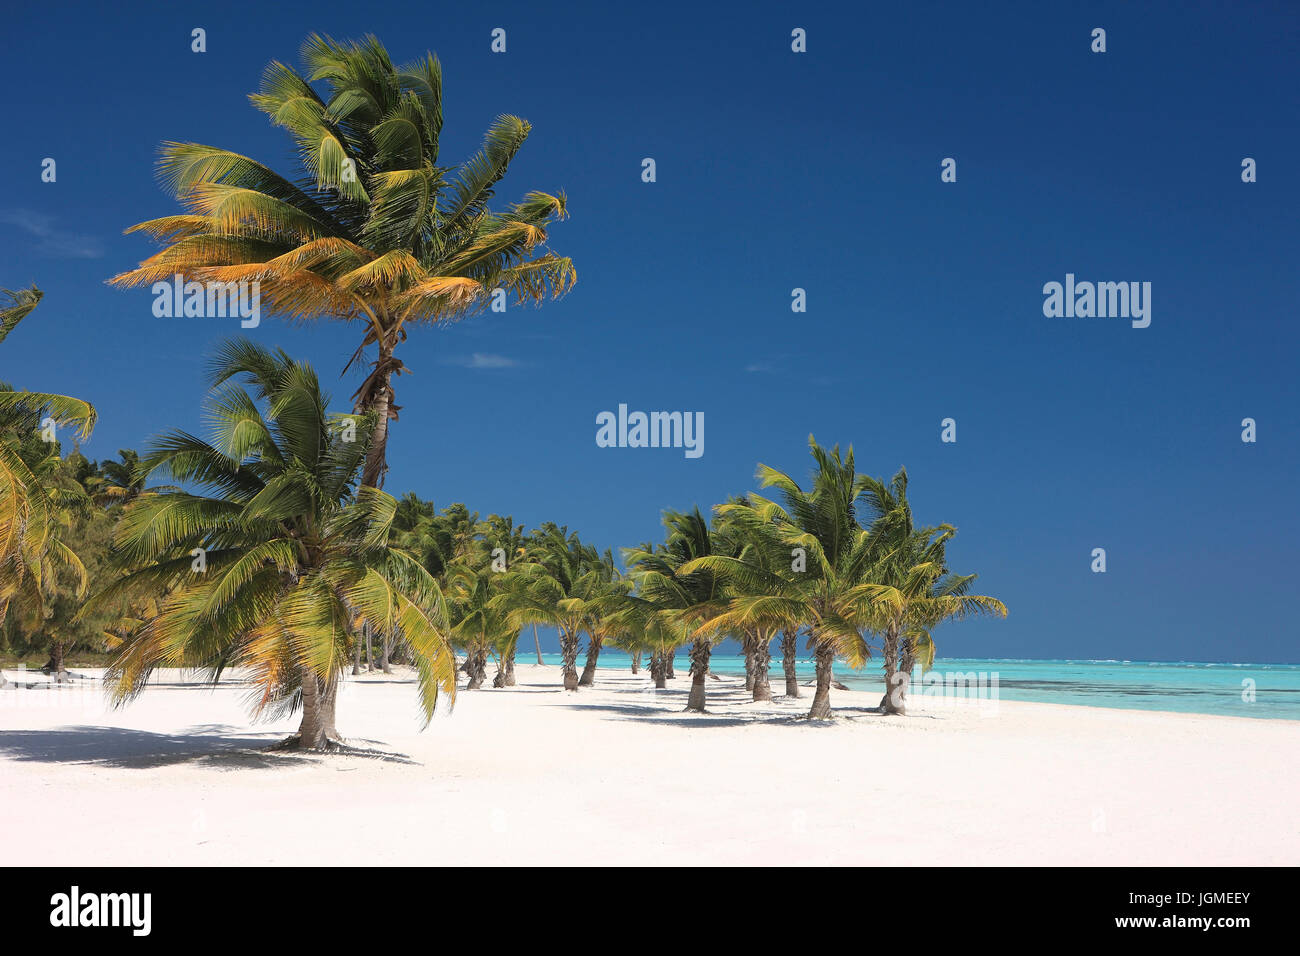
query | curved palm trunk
(762,688)
(510,667)
(538,644)
(659,670)
(569,659)
(789,664)
(593,655)
(821,706)
(319,701)
(700,652)
(895,682)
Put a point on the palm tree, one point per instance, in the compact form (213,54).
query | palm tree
(479,624)
(562,585)
(117,482)
(913,591)
(34,496)
(675,580)
(606,622)
(509,542)
(822,522)
(279,564)
(370,228)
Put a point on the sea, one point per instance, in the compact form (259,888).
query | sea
(1262,691)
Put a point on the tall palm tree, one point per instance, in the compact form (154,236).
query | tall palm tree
(274,569)
(370,228)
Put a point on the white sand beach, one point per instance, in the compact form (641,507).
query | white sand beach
(617,774)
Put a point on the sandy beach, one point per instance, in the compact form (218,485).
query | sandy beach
(618,774)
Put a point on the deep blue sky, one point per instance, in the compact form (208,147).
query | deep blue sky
(777,170)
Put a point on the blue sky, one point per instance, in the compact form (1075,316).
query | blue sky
(778,170)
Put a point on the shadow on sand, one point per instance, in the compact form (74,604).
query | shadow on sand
(724,705)
(218,746)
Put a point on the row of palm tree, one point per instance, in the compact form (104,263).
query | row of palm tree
(263,550)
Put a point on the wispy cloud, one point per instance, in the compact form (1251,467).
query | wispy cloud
(484,360)
(758,367)
(52,241)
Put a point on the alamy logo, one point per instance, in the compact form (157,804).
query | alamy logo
(1104,300)
(73,909)
(653,430)
(208,300)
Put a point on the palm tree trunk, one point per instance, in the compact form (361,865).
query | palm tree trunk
(895,683)
(476,666)
(788,662)
(636,661)
(538,645)
(762,661)
(370,653)
(569,659)
(659,670)
(386,648)
(747,645)
(356,654)
(510,667)
(700,652)
(593,655)
(319,700)
(56,660)
(671,673)
(376,395)
(825,657)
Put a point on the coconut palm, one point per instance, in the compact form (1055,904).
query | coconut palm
(820,526)
(563,584)
(614,589)
(673,578)
(370,228)
(35,494)
(509,544)
(913,591)
(277,558)
(644,628)
(479,625)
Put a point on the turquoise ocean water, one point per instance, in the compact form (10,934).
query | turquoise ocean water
(1239,690)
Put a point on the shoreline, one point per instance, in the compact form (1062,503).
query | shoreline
(613,774)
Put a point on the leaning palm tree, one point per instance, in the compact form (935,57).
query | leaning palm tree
(33,499)
(275,567)
(370,228)
(613,590)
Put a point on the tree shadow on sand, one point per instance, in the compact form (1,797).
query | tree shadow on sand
(217,746)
